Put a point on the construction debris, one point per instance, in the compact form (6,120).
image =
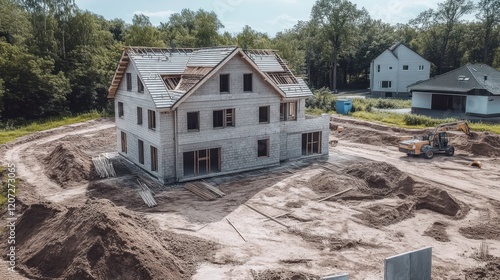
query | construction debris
(476,163)
(103,166)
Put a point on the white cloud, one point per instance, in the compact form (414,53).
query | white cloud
(284,20)
(158,14)
(399,11)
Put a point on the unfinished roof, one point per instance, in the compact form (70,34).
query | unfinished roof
(470,78)
(171,74)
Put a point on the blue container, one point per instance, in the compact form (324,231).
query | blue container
(343,106)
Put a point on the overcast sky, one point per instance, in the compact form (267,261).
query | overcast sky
(268,16)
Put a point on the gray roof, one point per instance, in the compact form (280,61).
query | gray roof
(154,64)
(464,80)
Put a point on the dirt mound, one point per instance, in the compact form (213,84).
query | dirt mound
(381,178)
(378,180)
(283,275)
(491,271)
(483,144)
(482,231)
(369,136)
(68,164)
(101,241)
(438,232)
(119,195)
(382,215)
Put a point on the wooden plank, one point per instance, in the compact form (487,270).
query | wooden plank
(333,195)
(266,215)
(236,229)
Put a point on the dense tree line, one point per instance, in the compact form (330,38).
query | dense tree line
(57,59)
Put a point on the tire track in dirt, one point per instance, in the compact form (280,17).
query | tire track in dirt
(30,170)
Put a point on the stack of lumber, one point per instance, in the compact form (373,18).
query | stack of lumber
(204,190)
(146,194)
(103,166)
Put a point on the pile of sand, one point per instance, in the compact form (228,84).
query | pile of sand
(283,275)
(377,180)
(438,231)
(482,144)
(101,241)
(67,163)
(369,136)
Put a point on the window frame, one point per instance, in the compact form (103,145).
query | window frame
(378,68)
(268,114)
(123,139)
(407,67)
(154,158)
(121,110)
(245,81)
(211,159)
(152,119)
(310,142)
(140,85)
(140,148)
(139,116)
(285,111)
(197,121)
(228,118)
(128,78)
(389,84)
(421,67)
(221,83)
(266,143)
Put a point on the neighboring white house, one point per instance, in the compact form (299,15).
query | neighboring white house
(184,114)
(395,69)
(473,89)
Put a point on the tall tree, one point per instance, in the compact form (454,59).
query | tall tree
(207,26)
(489,15)
(143,33)
(338,20)
(439,28)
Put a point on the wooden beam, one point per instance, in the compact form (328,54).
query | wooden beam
(333,195)
(266,215)
(236,229)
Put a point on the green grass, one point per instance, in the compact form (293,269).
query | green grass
(417,121)
(8,135)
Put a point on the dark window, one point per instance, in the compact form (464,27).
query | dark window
(263,148)
(201,162)
(247,82)
(124,142)
(421,67)
(141,151)
(386,84)
(154,158)
(288,111)
(120,110)
(378,68)
(129,81)
(224,83)
(139,115)
(311,143)
(151,119)
(223,118)
(193,121)
(406,67)
(264,114)
(140,86)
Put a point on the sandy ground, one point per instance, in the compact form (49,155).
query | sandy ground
(397,204)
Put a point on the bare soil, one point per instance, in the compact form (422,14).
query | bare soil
(73,225)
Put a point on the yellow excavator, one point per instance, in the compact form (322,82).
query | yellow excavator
(436,142)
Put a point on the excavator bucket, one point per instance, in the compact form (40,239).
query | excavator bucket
(476,163)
